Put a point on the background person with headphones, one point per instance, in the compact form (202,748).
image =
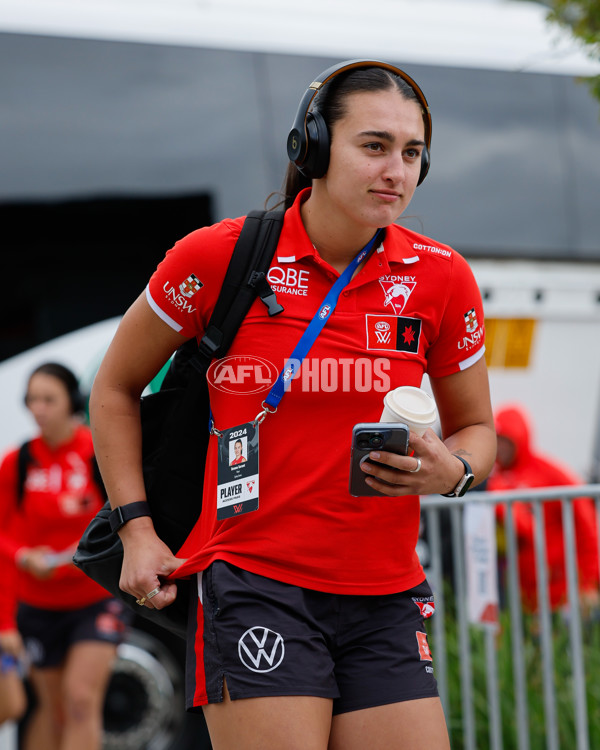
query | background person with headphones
(307,631)
(69,624)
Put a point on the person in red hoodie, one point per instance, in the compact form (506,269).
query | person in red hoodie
(71,626)
(519,465)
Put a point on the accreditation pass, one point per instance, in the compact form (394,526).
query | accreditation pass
(237,488)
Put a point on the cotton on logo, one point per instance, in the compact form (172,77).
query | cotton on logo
(242,375)
(261,649)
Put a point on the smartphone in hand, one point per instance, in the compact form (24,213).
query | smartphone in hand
(373,436)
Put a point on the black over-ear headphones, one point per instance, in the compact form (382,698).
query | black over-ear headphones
(308,140)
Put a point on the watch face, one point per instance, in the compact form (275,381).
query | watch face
(464,485)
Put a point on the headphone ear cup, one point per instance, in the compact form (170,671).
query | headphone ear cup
(425,161)
(316,161)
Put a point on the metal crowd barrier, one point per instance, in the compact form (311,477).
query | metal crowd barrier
(465,737)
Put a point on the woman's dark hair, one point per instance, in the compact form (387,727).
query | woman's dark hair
(330,102)
(67,378)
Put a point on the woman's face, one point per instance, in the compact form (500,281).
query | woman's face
(48,401)
(506,452)
(375,158)
(237,447)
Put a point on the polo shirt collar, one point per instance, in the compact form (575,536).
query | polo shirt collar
(295,243)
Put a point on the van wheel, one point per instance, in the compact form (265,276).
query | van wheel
(144,704)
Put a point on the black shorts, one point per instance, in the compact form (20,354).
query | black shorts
(268,638)
(48,634)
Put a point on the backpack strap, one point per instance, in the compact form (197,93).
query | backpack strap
(244,281)
(97,477)
(24,458)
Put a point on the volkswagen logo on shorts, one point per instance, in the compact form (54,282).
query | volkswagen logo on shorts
(261,649)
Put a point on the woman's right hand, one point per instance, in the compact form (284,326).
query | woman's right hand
(147,562)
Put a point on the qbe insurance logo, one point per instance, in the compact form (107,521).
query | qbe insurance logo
(242,375)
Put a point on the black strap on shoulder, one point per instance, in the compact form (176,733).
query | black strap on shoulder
(244,281)
(97,477)
(23,460)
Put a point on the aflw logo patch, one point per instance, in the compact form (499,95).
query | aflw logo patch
(393,333)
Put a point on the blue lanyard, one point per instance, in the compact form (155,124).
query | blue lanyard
(294,362)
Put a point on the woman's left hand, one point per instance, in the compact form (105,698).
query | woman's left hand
(429,468)
(12,643)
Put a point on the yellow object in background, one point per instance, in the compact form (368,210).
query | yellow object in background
(508,341)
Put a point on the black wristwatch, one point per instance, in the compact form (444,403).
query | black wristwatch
(123,513)
(464,483)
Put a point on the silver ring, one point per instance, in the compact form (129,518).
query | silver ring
(141,601)
(154,592)
(414,471)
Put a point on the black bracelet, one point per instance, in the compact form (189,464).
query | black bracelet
(123,513)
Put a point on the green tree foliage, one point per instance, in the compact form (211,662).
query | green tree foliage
(583,18)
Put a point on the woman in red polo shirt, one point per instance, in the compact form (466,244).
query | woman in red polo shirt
(307,628)
(70,625)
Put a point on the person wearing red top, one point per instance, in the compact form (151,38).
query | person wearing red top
(519,465)
(70,625)
(309,619)
(13,698)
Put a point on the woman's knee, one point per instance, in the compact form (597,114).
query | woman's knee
(80,703)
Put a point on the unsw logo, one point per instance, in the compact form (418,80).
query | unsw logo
(190,286)
(186,290)
(471,324)
(393,333)
(474,332)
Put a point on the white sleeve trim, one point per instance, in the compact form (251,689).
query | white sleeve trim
(466,363)
(161,313)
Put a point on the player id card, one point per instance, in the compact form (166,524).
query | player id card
(237,488)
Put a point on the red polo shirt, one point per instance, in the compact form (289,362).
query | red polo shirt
(413,308)
(60,498)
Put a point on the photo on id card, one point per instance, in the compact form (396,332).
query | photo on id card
(237,488)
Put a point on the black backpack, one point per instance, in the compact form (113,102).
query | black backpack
(175,424)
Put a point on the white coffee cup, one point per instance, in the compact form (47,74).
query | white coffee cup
(413,406)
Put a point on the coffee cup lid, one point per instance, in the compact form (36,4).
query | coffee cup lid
(412,403)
